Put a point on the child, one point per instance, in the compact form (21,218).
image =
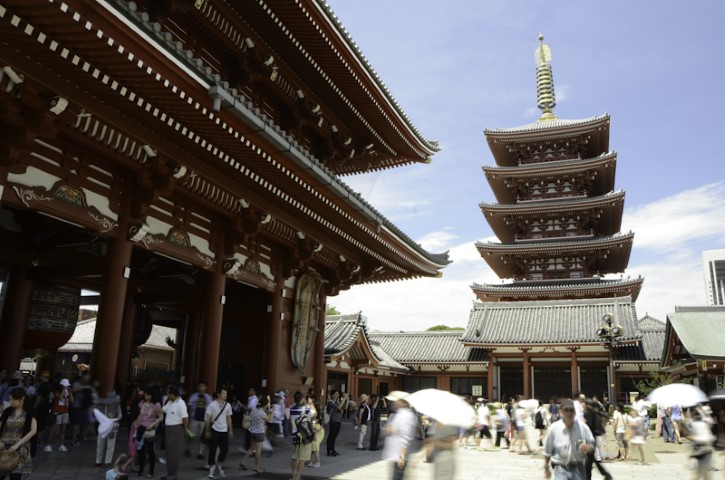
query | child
(319,435)
(62,398)
(118,472)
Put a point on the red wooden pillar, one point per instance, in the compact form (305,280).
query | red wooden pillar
(126,342)
(104,360)
(15,319)
(319,351)
(527,375)
(490,377)
(274,338)
(213,314)
(574,373)
(191,351)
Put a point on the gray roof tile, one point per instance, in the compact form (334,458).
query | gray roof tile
(82,338)
(342,331)
(412,348)
(548,322)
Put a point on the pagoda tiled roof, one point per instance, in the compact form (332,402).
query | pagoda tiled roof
(547,168)
(556,127)
(557,322)
(555,246)
(418,348)
(568,284)
(344,331)
(570,203)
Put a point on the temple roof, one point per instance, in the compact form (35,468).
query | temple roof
(595,287)
(82,338)
(592,133)
(649,349)
(418,348)
(347,334)
(561,322)
(605,213)
(699,331)
(506,259)
(505,181)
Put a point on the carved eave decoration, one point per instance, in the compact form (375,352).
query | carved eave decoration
(175,244)
(67,203)
(248,272)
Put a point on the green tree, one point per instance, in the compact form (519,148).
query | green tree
(656,379)
(444,328)
(331,311)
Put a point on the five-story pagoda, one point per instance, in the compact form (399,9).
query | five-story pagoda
(558,219)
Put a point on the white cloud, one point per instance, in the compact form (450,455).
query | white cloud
(671,234)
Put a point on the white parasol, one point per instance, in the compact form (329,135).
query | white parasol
(445,407)
(105,424)
(682,394)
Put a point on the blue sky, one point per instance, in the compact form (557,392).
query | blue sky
(459,67)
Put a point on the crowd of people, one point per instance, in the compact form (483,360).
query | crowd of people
(164,424)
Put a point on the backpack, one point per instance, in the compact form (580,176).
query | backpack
(539,420)
(304,429)
(327,412)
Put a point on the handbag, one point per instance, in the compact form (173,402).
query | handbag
(247,420)
(8,461)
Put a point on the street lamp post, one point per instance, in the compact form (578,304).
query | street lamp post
(609,334)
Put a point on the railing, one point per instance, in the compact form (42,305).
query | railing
(549,234)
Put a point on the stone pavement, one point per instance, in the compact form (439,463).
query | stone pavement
(665,462)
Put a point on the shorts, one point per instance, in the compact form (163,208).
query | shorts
(484,431)
(302,452)
(61,418)
(256,437)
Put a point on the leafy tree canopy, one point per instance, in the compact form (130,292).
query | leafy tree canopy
(437,328)
(331,310)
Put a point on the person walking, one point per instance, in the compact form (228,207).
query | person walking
(377,403)
(676,418)
(668,429)
(701,437)
(593,419)
(567,445)
(301,451)
(335,407)
(110,407)
(17,428)
(636,424)
(150,417)
(198,403)
(176,423)
(619,424)
(363,416)
(218,430)
(62,398)
(399,430)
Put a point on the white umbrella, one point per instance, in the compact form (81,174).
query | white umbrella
(717,394)
(530,404)
(681,394)
(445,407)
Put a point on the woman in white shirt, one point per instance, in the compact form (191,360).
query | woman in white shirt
(620,427)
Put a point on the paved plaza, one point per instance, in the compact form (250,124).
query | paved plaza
(665,462)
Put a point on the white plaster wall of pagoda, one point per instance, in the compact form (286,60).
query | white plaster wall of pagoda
(549,349)
(332,364)
(34,177)
(566,359)
(290,282)
(344,364)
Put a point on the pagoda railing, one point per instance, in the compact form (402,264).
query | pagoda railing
(560,195)
(552,234)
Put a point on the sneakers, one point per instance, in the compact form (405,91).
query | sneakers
(220,470)
(162,460)
(62,448)
(313,465)
(211,472)
(48,449)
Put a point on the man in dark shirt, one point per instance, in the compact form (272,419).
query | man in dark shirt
(335,407)
(377,404)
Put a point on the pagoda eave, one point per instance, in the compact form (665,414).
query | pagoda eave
(559,291)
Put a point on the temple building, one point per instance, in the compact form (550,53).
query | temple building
(557,216)
(183,160)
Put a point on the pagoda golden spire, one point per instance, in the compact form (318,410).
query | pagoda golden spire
(544,82)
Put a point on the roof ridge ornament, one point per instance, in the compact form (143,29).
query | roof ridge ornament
(544,82)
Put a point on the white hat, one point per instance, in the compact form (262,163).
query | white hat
(65,382)
(397,395)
